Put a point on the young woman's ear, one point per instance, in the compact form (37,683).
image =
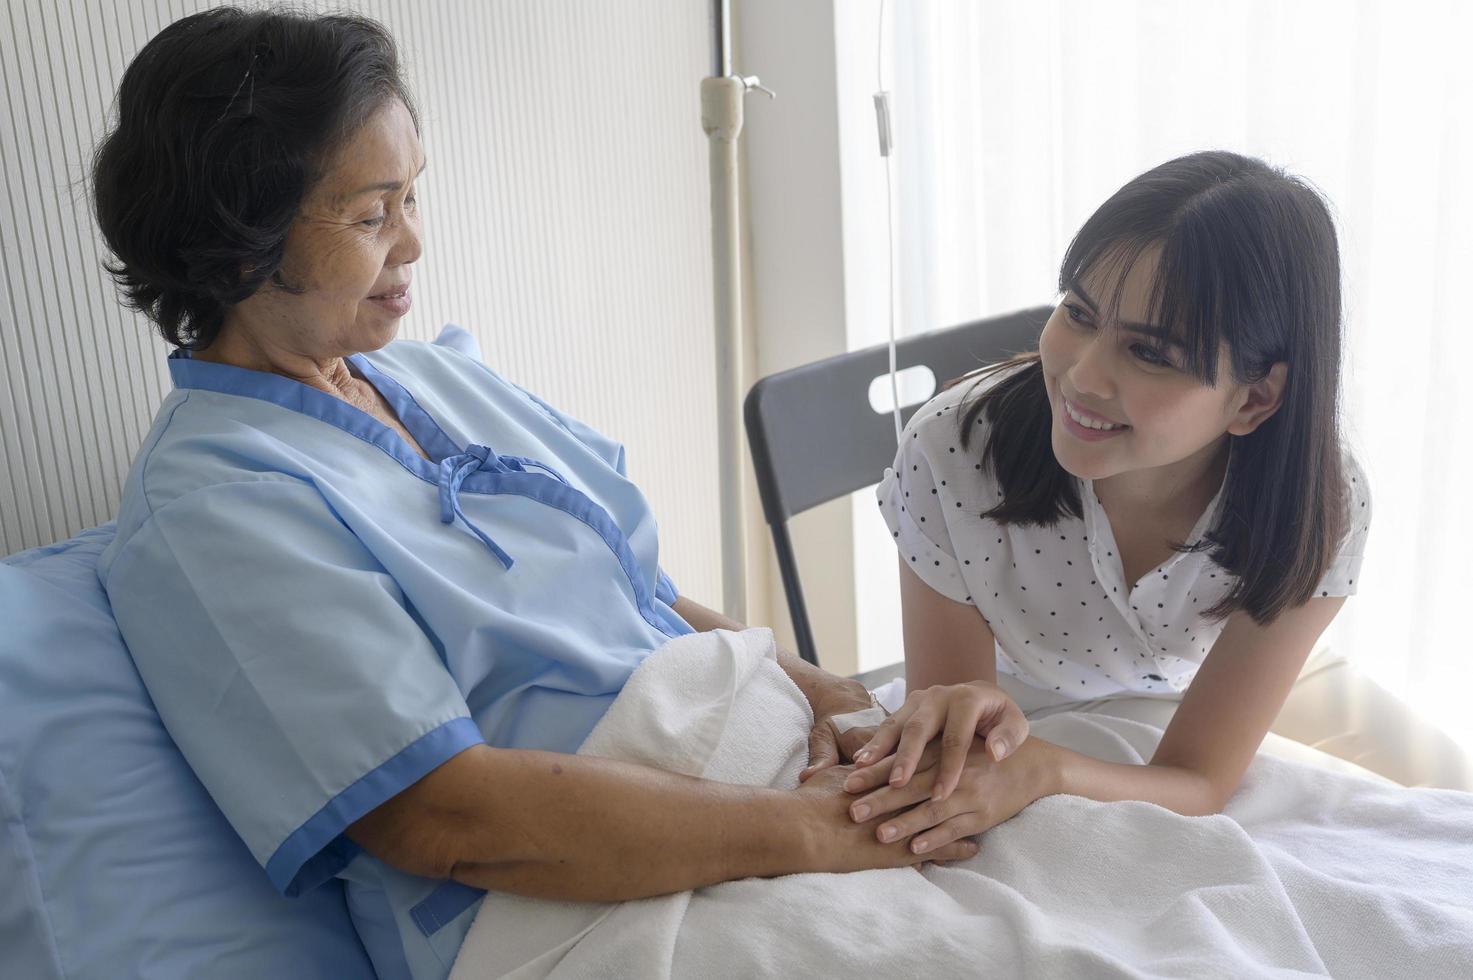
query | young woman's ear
(1263,399)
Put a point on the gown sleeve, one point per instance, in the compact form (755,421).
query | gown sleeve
(612,452)
(288,666)
(911,504)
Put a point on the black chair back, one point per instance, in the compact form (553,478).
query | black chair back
(815,437)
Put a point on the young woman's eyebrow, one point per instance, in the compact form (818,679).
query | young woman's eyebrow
(1162,334)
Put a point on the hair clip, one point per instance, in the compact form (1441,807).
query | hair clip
(251,104)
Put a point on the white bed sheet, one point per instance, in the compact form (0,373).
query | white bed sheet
(1308,872)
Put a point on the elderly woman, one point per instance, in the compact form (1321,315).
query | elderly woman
(376,591)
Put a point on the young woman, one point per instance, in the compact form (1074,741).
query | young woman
(1156,501)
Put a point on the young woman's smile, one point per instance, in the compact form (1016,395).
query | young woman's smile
(1120,403)
(1086,425)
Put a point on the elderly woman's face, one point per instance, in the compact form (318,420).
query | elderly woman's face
(349,251)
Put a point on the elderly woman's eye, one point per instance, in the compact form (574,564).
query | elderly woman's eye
(373,222)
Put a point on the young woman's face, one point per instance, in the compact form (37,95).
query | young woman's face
(1128,377)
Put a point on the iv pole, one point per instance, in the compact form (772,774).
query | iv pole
(721,118)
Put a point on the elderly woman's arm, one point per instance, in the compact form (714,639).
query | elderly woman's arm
(828,694)
(579,827)
(585,828)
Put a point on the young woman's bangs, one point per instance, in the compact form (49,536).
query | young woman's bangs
(1184,296)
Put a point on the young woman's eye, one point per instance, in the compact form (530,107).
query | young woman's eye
(1153,356)
(1076,314)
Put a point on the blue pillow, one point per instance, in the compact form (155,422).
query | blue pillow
(113,858)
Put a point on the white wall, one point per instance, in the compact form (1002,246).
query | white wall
(816,194)
(791,148)
(567,225)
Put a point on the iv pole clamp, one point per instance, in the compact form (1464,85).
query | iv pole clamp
(721,119)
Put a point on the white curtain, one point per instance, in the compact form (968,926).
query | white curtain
(1017,119)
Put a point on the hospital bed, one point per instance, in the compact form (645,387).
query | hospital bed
(115,862)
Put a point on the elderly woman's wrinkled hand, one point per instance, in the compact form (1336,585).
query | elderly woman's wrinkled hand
(851,741)
(827,747)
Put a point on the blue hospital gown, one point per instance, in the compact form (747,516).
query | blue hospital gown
(322,616)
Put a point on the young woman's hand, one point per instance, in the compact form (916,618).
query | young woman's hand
(835,842)
(957,713)
(989,792)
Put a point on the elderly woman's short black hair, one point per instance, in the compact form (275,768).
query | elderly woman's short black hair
(225,120)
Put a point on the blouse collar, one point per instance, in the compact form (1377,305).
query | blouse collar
(1208,517)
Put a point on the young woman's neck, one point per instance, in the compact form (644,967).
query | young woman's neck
(1185,487)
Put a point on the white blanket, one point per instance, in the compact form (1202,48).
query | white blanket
(1307,872)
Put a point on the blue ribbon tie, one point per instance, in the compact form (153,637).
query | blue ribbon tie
(453,472)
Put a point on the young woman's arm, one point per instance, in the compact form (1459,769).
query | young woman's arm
(1224,715)
(951,677)
(1233,700)
(946,642)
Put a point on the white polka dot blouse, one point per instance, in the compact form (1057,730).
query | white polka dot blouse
(1055,598)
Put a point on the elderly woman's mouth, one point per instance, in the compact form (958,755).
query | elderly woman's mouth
(396,300)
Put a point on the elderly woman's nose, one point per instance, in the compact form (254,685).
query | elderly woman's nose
(410,243)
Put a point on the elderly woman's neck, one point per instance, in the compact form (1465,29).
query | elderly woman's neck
(245,350)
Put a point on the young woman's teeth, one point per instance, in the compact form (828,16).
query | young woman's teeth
(1087,423)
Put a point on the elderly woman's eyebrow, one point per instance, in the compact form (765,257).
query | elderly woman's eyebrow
(383,185)
(1158,333)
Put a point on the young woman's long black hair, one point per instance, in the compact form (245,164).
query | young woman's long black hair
(1248,257)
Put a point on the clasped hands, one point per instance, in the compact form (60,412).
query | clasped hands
(953,761)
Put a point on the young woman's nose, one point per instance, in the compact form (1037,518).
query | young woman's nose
(1090,374)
